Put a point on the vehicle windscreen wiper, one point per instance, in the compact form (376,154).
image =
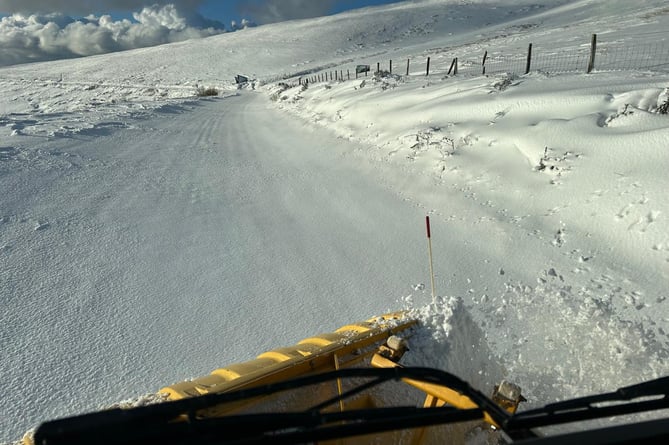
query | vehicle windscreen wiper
(171,422)
(186,421)
(653,395)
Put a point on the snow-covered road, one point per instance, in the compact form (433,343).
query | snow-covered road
(144,255)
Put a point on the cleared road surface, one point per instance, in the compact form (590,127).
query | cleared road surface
(136,257)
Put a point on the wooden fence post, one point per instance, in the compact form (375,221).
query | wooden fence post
(593,49)
(348,73)
(427,72)
(452,66)
(485,56)
(408,67)
(378,67)
(391,66)
(529,59)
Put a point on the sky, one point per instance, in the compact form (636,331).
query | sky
(279,10)
(224,11)
(41,30)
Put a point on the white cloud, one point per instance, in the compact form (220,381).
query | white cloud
(37,37)
(83,7)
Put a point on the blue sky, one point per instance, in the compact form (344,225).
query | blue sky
(223,11)
(227,10)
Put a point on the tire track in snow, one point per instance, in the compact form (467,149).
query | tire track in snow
(195,239)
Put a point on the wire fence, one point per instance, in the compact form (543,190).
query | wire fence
(652,57)
(598,56)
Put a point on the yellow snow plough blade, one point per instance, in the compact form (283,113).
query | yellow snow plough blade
(374,343)
(353,344)
(363,344)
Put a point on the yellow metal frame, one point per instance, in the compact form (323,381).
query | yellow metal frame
(350,345)
(438,395)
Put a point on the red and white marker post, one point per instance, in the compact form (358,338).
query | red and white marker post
(429,251)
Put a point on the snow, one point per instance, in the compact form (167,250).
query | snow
(147,236)
(569,169)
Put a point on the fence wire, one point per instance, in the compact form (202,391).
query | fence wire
(652,56)
(611,54)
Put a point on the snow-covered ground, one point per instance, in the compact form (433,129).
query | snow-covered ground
(147,237)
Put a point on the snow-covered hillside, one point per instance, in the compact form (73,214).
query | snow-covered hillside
(147,236)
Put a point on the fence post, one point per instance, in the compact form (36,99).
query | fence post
(485,56)
(391,66)
(341,74)
(593,49)
(529,59)
(378,67)
(427,72)
(407,67)
(348,73)
(452,65)
(455,71)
